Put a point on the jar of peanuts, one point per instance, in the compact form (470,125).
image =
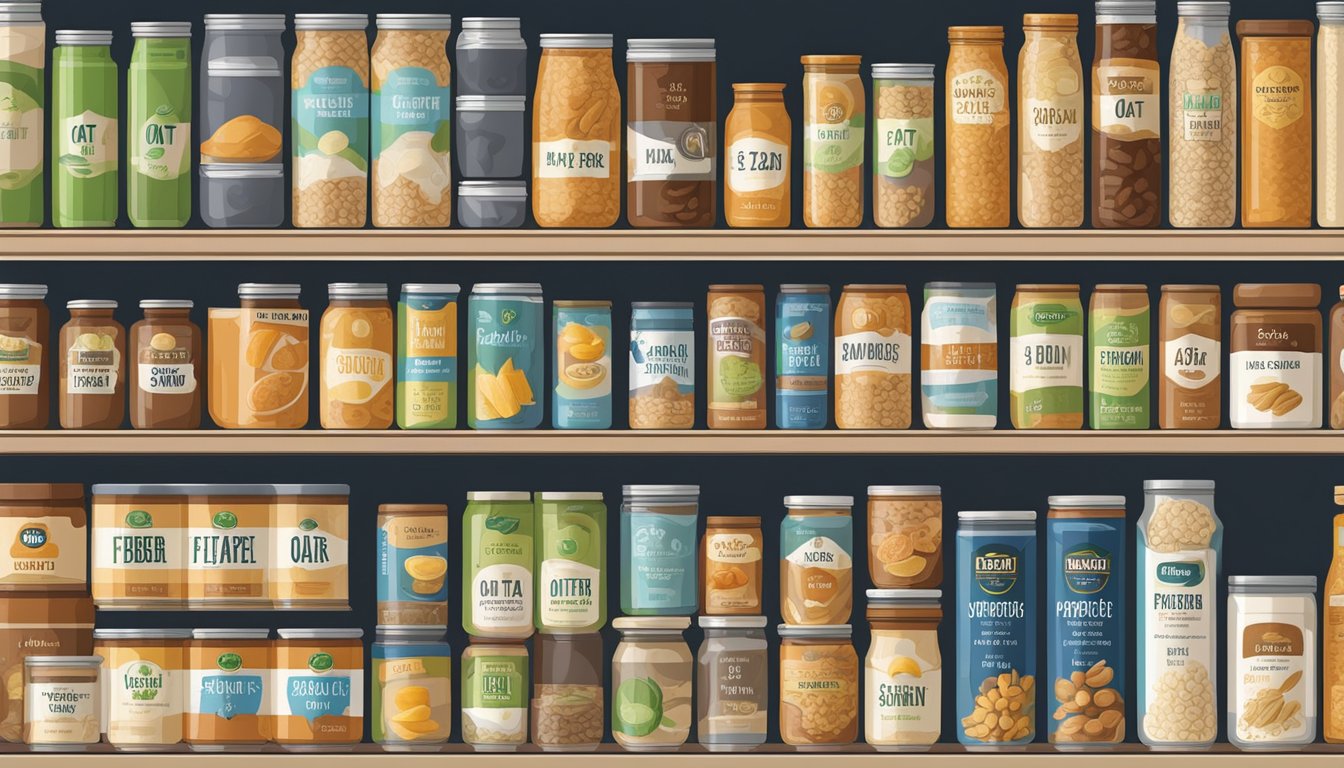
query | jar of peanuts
(977,128)
(833,128)
(872,358)
(905,536)
(903,180)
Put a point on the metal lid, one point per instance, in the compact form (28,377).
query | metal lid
(576,40)
(662,305)
(321,633)
(732,622)
(506,188)
(491,103)
(670,49)
(660,490)
(137,489)
(1271,583)
(83,37)
(269,290)
(569,495)
(949,285)
(410,632)
(161,29)
(815,630)
(433,21)
(21,13)
(242,170)
(334,22)
(903,71)
(141,634)
(245,22)
(418,288)
(903,595)
(311,489)
(230,634)
(1120,288)
(63,661)
(357,290)
(905,490)
(505,289)
(1088,502)
(654,623)
(998,516)
(1126,12)
(166,304)
(1178,485)
(822,502)
(1330,11)
(91,304)
(491,22)
(1208,10)
(498,496)
(23,291)
(804,288)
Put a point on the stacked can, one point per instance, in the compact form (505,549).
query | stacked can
(491,135)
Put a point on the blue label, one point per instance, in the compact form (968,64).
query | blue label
(581,379)
(816,533)
(395,582)
(410,100)
(228,696)
(313,697)
(803,349)
(658,557)
(947,313)
(972,397)
(334,100)
(504,355)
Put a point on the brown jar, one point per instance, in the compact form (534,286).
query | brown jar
(165,380)
(672,128)
(258,359)
(758,141)
(1190,327)
(567,692)
(37,624)
(731,566)
(1126,117)
(1274,369)
(1337,363)
(905,536)
(25,343)
(736,353)
(93,367)
(358,352)
(1276,122)
(43,537)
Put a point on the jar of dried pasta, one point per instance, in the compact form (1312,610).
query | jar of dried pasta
(736,365)
(905,536)
(818,686)
(576,133)
(833,126)
(1202,179)
(977,128)
(1276,120)
(903,145)
(1050,119)
(872,357)
(1330,117)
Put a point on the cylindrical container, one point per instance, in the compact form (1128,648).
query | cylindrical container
(413,565)
(1202,127)
(802,352)
(158,116)
(144,687)
(1086,634)
(732,565)
(494,695)
(63,702)
(733,680)
(259,359)
(25,360)
(310,547)
(1332,637)
(139,546)
(567,695)
(902,674)
(1335,379)
(317,701)
(33,624)
(165,379)
(576,133)
(905,536)
(1330,115)
(735,362)
(903,145)
(996,629)
(427,356)
(228,546)
(230,674)
(662,365)
(818,687)
(85,188)
(93,366)
(1276,123)
(505,351)
(492,204)
(581,382)
(816,564)
(873,357)
(23,38)
(1190,327)
(1271,662)
(1045,381)
(977,128)
(834,117)
(1126,117)
(959,356)
(1274,365)
(571,561)
(247,195)
(651,678)
(491,57)
(491,136)
(497,559)
(1179,543)
(329,84)
(357,351)
(411,120)
(47,530)
(242,93)
(1050,122)
(412,699)
(1118,357)
(658,568)
(757,162)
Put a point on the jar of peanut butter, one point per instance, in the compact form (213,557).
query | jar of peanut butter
(43,538)
(165,393)
(93,366)
(25,350)
(1274,371)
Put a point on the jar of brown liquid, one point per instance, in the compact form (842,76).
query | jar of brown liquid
(165,380)
(1276,123)
(1126,117)
(1190,327)
(25,331)
(93,366)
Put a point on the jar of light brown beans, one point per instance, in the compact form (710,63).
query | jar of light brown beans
(818,686)
(1276,123)
(872,358)
(834,112)
(1050,120)
(903,145)
(977,128)
(905,536)
(1202,176)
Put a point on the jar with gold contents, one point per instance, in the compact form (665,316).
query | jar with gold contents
(1050,120)
(872,357)
(758,160)
(576,133)
(818,687)
(903,145)
(731,559)
(358,349)
(25,356)
(1276,123)
(833,139)
(258,359)
(905,536)
(977,128)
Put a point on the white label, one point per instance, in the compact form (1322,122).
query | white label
(572,159)
(656,355)
(88,145)
(903,689)
(61,713)
(820,552)
(1180,654)
(140,695)
(167,379)
(502,597)
(871,351)
(20,379)
(92,372)
(1054,124)
(571,593)
(42,551)
(1259,373)
(1061,367)
(756,164)
(370,366)
(137,548)
(309,551)
(159,150)
(1192,361)
(235,549)
(1127,114)
(977,97)
(1202,115)
(661,150)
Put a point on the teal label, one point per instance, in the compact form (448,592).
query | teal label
(1187,574)
(331,125)
(229,696)
(803,333)
(311,697)
(505,351)
(410,101)
(582,375)
(658,563)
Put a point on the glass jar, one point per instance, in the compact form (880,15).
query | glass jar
(1190,329)
(571,557)
(497,561)
(905,536)
(1332,641)
(506,349)
(144,687)
(903,145)
(1045,374)
(1276,123)
(93,366)
(85,187)
(492,204)
(243,195)
(164,381)
(491,136)
(242,89)
(959,356)
(873,358)
(63,702)
(903,672)
(412,699)
(258,356)
(758,166)
(158,117)
(23,38)
(733,683)
(816,566)
(230,676)
(818,687)
(1330,116)
(1050,138)
(491,57)
(412,574)
(494,695)
(358,349)
(427,356)
(731,565)
(658,568)
(1127,117)
(834,116)
(25,356)
(651,678)
(1271,656)
(977,127)
(662,365)
(1202,176)
(1274,369)
(735,353)
(567,695)
(576,134)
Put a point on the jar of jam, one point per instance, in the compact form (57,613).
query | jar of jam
(25,330)
(93,366)
(164,381)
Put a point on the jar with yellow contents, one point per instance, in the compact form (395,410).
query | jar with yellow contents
(818,686)
(833,141)
(977,128)
(757,164)
(357,354)
(872,358)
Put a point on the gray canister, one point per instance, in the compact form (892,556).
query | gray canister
(491,58)
(242,88)
(490,136)
(243,194)
(492,204)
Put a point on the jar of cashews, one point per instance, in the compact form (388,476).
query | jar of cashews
(1271,661)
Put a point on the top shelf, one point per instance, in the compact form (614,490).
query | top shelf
(670,245)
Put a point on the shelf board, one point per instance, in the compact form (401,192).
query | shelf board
(670,245)
(699,442)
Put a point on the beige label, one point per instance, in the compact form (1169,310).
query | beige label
(977,97)
(1126,99)
(61,713)
(310,557)
(144,694)
(227,551)
(1054,124)
(1276,96)
(138,552)
(42,551)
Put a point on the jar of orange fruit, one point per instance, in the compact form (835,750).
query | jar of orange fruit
(357,355)
(258,359)
(833,141)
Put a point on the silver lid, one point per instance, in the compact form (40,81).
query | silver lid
(903,595)
(998,516)
(804,288)
(269,290)
(905,490)
(418,632)
(23,291)
(161,29)
(20,13)
(333,22)
(63,661)
(903,71)
(507,289)
(91,304)
(569,495)
(1178,485)
(498,496)
(660,490)
(651,623)
(322,633)
(141,634)
(243,66)
(732,622)
(230,634)
(1087,502)
(815,630)
(507,188)
(491,103)
(242,170)
(139,489)
(1205,9)
(420,288)
(1126,11)
(83,37)
(576,40)
(1330,11)
(1274,583)
(357,290)
(949,285)
(491,22)
(166,304)
(311,489)
(245,22)
(434,21)
(822,502)
(670,49)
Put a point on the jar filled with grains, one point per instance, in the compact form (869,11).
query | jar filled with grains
(1126,117)
(977,127)
(818,686)
(1050,119)
(833,131)
(872,358)
(1276,123)
(1203,118)
(903,145)
(905,536)
(1330,116)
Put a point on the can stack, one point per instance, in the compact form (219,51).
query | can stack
(491,123)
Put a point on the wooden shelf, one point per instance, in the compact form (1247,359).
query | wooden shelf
(702,442)
(665,245)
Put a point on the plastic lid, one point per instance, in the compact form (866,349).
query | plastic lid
(576,40)
(20,13)
(334,22)
(83,37)
(141,634)
(91,304)
(166,304)
(1192,287)
(1275,28)
(657,623)
(1178,485)
(875,287)
(903,71)
(357,290)
(410,632)
(569,495)
(1047,287)
(1205,9)
(161,29)
(245,22)
(815,630)
(416,288)
(269,290)
(582,303)
(824,502)
(763,87)
(423,509)
(1120,288)
(475,103)
(662,305)
(1275,583)
(670,49)
(998,516)
(946,285)
(230,634)
(322,633)
(503,188)
(498,496)
(439,21)
(904,490)
(38,291)
(660,490)
(1050,20)
(829,60)
(504,289)
(732,622)
(1087,502)
(903,595)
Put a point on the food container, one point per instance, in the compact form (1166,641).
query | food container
(834,118)
(25,354)
(1118,359)
(1271,654)
(902,674)
(731,565)
(231,674)
(412,565)
(23,38)
(977,128)
(571,555)
(959,356)
(159,140)
(1276,123)
(243,104)
(1330,115)
(492,204)
(497,578)
(1190,327)
(903,145)
(139,546)
(491,57)
(662,365)
(905,536)
(144,687)
(816,564)
(1202,178)
(758,158)
(317,700)
(505,352)
(581,376)
(873,357)
(243,195)
(412,704)
(1050,136)
(818,687)
(736,357)
(494,695)
(568,714)
(93,366)
(651,678)
(164,381)
(658,553)
(310,547)
(1045,378)
(357,352)
(490,136)
(427,356)
(63,702)
(1332,666)
(1127,117)
(36,623)
(733,680)
(85,186)
(802,356)
(259,359)
(1274,370)
(46,530)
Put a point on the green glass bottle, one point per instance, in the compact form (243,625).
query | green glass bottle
(84,184)
(158,107)
(23,94)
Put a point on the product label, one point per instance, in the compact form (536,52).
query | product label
(833,133)
(1192,360)
(507,347)
(92,362)
(61,713)
(1274,388)
(1119,368)
(134,543)
(662,567)
(331,126)
(21,138)
(902,681)
(1053,124)
(582,377)
(899,143)
(88,146)
(802,331)
(412,131)
(1276,692)
(1277,96)
(141,696)
(314,693)
(352,367)
(495,683)
(427,365)
(572,159)
(233,549)
(959,359)
(659,150)
(503,596)
(977,97)
(756,164)
(571,593)
(736,701)
(818,567)
(735,376)
(42,551)
(20,354)
(872,351)
(1126,99)
(1178,627)
(167,379)
(230,690)
(659,355)
(308,546)
(413,559)
(162,150)
(1202,114)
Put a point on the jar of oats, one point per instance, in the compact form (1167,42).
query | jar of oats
(977,128)
(1050,119)
(903,145)
(1330,117)
(905,536)
(1276,120)
(330,82)
(1202,178)
(818,686)
(1126,117)
(833,126)
(576,133)
(872,358)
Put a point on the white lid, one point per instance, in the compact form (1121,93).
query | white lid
(569,495)
(905,490)
(1087,502)
(670,49)
(230,634)
(825,502)
(437,21)
(899,595)
(269,290)
(22,291)
(243,170)
(500,289)
(141,634)
(498,496)
(83,37)
(323,633)
(505,188)
(334,22)
(418,288)
(732,622)
(1178,485)
(492,22)
(245,22)
(815,630)
(91,304)
(161,29)
(474,103)
(576,40)
(903,71)
(357,290)
(1284,583)
(998,516)
(166,304)
(657,623)
(660,490)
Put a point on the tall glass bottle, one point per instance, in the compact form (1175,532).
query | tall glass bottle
(23,81)
(1202,174)
(84,184)
(977,127)
(1332,634)
(158,112)
(1126,117)
(1050,122)
(1330,123)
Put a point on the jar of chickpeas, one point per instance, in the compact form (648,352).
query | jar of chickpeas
(903,180)
(977,128)
(905,536)
(833,141)
(872,358)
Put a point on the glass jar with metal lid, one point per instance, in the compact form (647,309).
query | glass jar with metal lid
(571,561)
(25,354)
(658,552)
(662,365)
(144,687)
(491,57)
(242,89)
(494,695)
(497,565)
(903,142)
(317,701)
(651,677)
(166,371)
(500,204)
(412,697)
(1272,672)
(816,577)
(93,366)
(903,671)
(358,349)
(62,702)
(85,186)
(905,536)
(818,686)
(159,139)
(733,681)
(23,38)
(258,353)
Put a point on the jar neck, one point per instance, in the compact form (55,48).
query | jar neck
(251,303)
(758,97)
(97,313)
(182,314)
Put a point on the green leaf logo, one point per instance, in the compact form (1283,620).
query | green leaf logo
(229,662)
(155,153)
(568,546)
(502,524)
(225,519)
(508,316)
(321,662)
(307,524)
(163,110)
(139,518)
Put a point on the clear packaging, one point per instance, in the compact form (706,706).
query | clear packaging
(1272,668)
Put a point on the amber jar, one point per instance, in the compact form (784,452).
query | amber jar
(25,344)
(1189,380)
(258,357)
(873,357)
(735,356)
(44,530)
(731,563)
(978,127)
(1126,117)
(905,536)
(818,686)
(93,366)
(834,125)
(758,157)
(358,349)
(1276,123)
(165,380)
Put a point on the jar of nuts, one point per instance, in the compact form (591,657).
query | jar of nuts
(736,357)
(903,145)
(977,128)
(872,358)
(905,536)
(818,686)
(1271,646)
(833,126)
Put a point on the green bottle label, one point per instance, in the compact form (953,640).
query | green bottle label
(1119,368)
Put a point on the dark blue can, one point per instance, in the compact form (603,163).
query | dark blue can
(802,349)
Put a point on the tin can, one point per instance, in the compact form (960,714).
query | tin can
(413,564)
(803,346)
(959,356)
(582,376)
(497,565)
(662,365)
(412,698)
(658,555)
(736,357)
(317,698)
(505,355)
(571,554)
(1045,376)
(230,673)
(873,358)
(427,356)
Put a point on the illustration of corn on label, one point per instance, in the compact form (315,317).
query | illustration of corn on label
(506,371)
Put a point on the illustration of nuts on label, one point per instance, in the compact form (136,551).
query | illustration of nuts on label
(1273,396)
(1182,706)
(410,718)
(163,342)
(1004,710)
(1179,524)
(906,536)
(1270,711)
(1089,709)
(663,406)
